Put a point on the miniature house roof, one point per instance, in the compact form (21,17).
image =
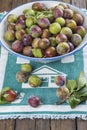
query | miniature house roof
(47,70)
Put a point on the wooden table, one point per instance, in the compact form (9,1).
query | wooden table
(41,124)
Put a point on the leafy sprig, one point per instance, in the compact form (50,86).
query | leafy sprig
(77,89)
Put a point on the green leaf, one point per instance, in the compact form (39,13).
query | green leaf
(83,98)
(73,102)
(71,85)
(78,90)
(81,81)
(44,14)
(82,92)
(78,97)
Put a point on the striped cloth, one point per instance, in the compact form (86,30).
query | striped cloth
(70,66)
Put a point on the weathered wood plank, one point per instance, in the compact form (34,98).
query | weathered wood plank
(16,3)
(55,124)
(42,124)
(66,1)
(79,3)
(81,124)
(63,124)
(5,5)
(24,1)
(7,124)
(27,1)
(25,124)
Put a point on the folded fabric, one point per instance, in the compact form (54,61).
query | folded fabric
(70,66)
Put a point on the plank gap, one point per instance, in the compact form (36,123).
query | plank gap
(76,123)
(50,123)
(14,124)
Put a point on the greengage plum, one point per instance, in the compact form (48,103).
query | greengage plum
(57,12)
(38,6)
(63,48)
(11,18)
(35,31)
(55,28)
(26,39)
(29,21)
(71,46)
(66,31)
(71,24)
(44,22)
(68,13)
(35,42)
(21,76)
(37,52)
(19,34)
(81,31)
(45,33)
(11,26)
(76,39)
(43,43)
(78,18)
(34,101)
(19,26)
(27,68)
(62,93)
(60,80)
(21,21)
(61,21)
(34,81)
(61,38)
(9,35)
(9,95)
(17,46)
(28,12)
(50,52)
(27,51)
(21,17)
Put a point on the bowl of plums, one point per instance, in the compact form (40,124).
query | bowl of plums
(44,31)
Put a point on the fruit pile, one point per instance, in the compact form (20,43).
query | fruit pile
(25,75)
(45,32)
(71,91)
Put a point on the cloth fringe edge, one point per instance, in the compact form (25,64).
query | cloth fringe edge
(45,116)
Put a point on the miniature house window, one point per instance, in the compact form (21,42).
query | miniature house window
(52,79)
(45,79)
